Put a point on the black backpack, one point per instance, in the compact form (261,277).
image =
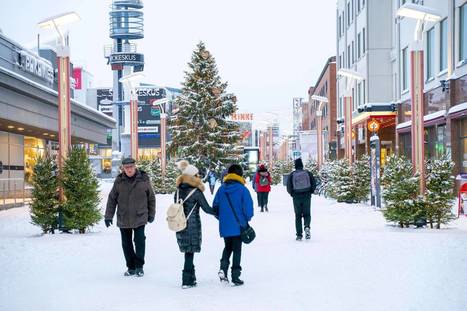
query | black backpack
(301,181)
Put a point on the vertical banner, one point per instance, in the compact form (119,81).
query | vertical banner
(134,128)
(418,130)
(64,110)
(348,127)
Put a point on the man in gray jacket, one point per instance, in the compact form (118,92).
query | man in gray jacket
(133,198)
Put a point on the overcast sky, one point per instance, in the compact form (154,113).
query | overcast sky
(268,51)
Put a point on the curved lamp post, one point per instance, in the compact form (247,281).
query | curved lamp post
(319,123)
(131,82)
(422,14)
(351,77)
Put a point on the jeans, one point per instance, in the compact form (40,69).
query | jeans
(302,207)
(134,259)
(263,199)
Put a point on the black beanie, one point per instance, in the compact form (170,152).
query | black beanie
(298,164)
(236,169)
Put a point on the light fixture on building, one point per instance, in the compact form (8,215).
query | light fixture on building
(46,134)
(20,129)
(11,127)
(52,135)
(419,12)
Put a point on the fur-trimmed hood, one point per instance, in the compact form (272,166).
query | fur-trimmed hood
(193,181)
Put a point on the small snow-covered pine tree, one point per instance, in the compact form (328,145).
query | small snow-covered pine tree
(439,191)
(312,166)
(342,185)
(362,180)
(400,191)
(81,190)
(201,131)
(44,194)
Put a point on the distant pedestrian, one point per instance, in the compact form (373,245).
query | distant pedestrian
(190,190)
(262,187)
(300,185)
(233,206)
(133,198)
(212,180)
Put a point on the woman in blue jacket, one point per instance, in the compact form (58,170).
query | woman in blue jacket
(232,195)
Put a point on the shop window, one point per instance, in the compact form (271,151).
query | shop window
(33,148)
(463,146)
(435,142)
(405,145)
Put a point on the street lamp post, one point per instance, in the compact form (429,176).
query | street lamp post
(131,82)
(422,14)
(319,121)
(63,64)
(163,116)
(351,76)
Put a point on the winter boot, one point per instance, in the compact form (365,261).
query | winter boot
(188,279)
(130,272)
(262,209)
(307,233)
(266,208)
(139,272)
(236,277)
(298,238)
(223,276)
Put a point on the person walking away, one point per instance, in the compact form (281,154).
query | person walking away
(212,179)
(263,187)
(300,185)
(190,190)
(133,198)
(232,197)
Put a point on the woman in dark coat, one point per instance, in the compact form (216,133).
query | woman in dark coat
(189,239)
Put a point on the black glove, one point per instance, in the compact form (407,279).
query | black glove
(108,222)
(150,219)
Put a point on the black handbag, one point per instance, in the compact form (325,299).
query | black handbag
(247,234)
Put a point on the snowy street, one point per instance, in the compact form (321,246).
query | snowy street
(354,261)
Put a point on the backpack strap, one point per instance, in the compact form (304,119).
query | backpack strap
(189,195)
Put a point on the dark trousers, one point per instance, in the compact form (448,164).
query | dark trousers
(189,258)
(232,245)
(302,207)
(263,199)
(211,188)
(134,259)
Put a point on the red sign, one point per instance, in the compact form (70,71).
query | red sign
(77,76)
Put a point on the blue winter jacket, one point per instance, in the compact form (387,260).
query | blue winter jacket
(242,203)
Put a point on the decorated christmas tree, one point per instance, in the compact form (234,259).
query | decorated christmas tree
(201,131)
(167,184)
(80,186)
(44,194)
(400,192)
(361,175)
(439,191)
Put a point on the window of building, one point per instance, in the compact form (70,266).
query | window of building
(430,51)
(359,94)
(443,45)
(353,53)
(405,69)
(348,14)
(348,56)
(405,145)
(363,40)
(354,104)
(359,45)
(364,92)
(435,141)
(463,145)
(463,33)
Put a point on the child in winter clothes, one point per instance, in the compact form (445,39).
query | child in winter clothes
(189,239)
(263,187)
(232,196)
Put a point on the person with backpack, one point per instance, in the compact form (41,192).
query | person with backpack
(300,185)
(133,198)
(233,207)
(263,187)
(190,196)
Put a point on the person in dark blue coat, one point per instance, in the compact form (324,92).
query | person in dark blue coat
(232,195)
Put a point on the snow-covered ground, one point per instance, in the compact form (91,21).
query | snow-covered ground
(355,261)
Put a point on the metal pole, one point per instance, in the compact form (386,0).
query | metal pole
(348,128)
(418,133)
(134,126)
(163,143)
(64,109)
(319,122)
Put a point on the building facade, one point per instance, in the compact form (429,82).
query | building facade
(445,74)
(364,45)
